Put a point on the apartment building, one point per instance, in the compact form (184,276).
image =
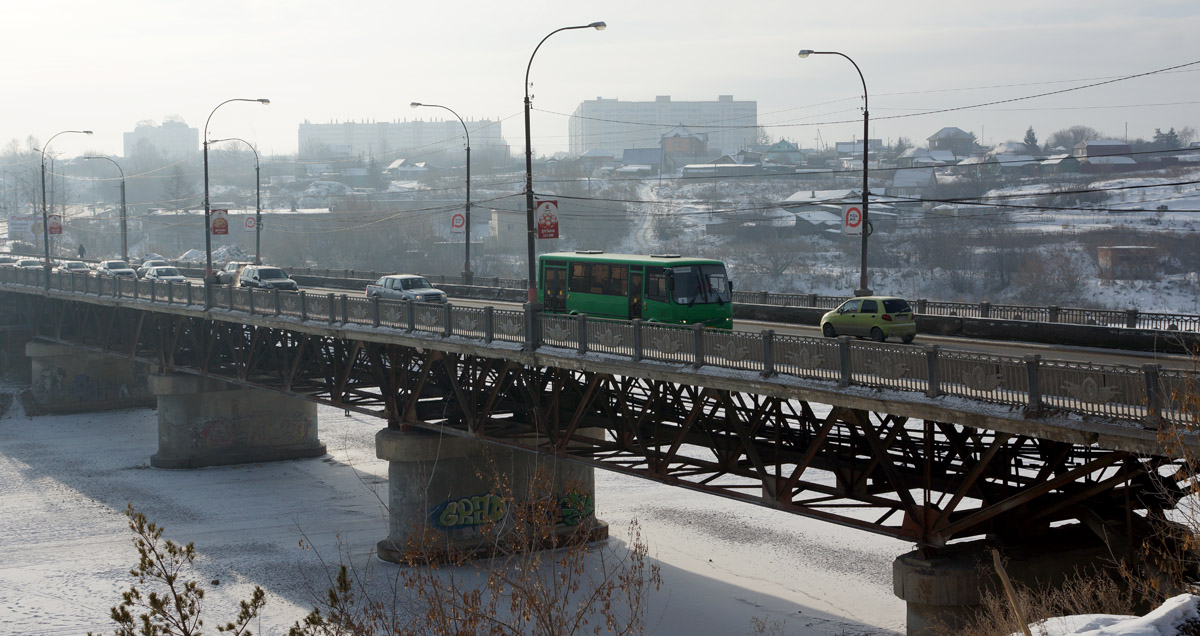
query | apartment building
(389,140)
(611,124)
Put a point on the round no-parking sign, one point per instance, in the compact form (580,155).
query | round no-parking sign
(853,220)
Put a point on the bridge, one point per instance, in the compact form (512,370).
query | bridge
(1055,461)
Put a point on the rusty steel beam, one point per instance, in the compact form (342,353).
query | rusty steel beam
(929,482)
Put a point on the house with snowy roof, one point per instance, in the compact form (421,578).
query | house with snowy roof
(1059,164)
(783,151)
(651,158)
(956,140)
(1103,155)
(924,158)
(912,182)
(681,146)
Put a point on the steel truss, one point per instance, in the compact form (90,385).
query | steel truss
(924,481)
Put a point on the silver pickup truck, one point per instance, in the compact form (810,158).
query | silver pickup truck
(406,287)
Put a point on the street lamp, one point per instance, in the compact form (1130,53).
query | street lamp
(257,199)
(467,254)
(208,270)
(529,222)
(124,226)
(862,290)
(45,214)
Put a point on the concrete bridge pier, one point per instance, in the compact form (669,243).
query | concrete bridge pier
(447,491)
(70,379)
(945,589)
(207,422)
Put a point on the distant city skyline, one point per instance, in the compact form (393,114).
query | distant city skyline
(927,65)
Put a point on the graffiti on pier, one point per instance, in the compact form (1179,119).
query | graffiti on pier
(254,430)
(571,510)
(469,511)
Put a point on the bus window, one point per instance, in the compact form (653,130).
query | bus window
(656,284)
(699,284)
(618,283)
(578,282)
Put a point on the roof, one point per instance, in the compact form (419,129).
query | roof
(606,257)
(682,131)
(1111,161)
(913,178)
(820,216)
(1101,142)
(1013,161)
(1011,148)
(949,132)
(647,156)
(829,196)
(599,153)
(1054,160)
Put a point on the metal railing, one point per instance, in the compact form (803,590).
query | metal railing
(1118,392)
(1123,318)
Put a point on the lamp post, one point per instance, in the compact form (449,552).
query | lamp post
(45,214)
(863,289)
(529,221)
(257,198)
(208,270)
(467,252)
(124,217)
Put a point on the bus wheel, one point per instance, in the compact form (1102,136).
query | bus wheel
(828,331)
(877,334)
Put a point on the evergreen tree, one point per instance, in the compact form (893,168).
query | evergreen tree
(1167,140)
(1031,139)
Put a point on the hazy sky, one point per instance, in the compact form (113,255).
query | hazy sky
(107,65)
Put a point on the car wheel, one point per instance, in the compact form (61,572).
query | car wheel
(877,334)
(909,338)
(828,331)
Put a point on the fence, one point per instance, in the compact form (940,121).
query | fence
(1126,318)
(1118,392)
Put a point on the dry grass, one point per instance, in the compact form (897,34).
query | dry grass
(1082,594)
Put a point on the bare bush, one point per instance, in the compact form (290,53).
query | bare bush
(537,581)
(1091,593)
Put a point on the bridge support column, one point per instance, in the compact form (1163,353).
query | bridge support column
(206,422)
(69,379)
(14,363)
(455,489)
(948,587)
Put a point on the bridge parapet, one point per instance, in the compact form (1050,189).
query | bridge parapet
(1146,397)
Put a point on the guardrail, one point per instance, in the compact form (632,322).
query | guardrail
(1121,392)
(1126,318)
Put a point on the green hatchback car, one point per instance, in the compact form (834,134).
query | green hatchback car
(874,317)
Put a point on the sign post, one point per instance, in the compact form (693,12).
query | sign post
(547,219)
(852,220)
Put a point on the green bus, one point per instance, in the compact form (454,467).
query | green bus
(665,288)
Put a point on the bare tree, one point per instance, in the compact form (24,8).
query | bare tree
(1068,137)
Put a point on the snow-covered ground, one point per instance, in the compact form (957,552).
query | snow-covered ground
(65,549)
(1179,616)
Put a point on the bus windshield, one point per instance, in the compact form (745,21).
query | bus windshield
(700,284)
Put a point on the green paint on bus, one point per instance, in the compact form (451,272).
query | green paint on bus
(667,288)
